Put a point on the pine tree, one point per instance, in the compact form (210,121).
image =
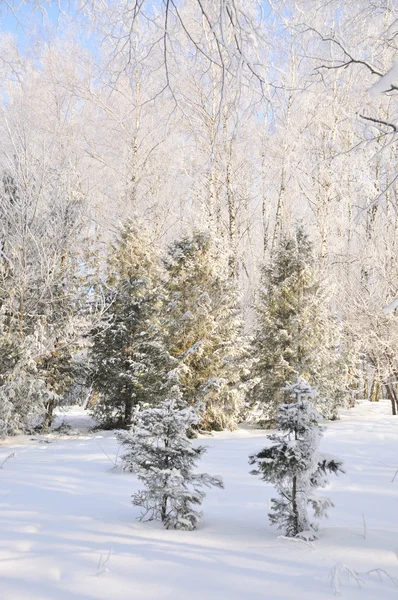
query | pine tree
(161,454)
(130,362)
(296,335)
(294,465)
(205,330)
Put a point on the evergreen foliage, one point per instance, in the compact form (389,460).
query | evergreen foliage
(205,330)
(162,456)
(130,362)
(293,464)
(295,335)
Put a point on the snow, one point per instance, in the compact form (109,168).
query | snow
(391,307)
(386,81)
(68,528)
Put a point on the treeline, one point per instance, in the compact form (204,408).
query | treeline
(115,327)
(100,123)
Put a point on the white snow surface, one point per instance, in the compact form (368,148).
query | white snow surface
(69,531)
(386,81)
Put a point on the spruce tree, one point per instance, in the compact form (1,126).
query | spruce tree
(295,335)
(205,330)
(161,454)
(129,360)
(293,464)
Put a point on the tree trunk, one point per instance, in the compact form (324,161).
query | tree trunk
(294,506)
(21,312)
(128,410)
(265,225)
(163,513)
(231,204)
(375,394)
(49,416)
(392,397)
(278,228)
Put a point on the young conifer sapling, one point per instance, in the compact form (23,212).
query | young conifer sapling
(161,454)
(294,466)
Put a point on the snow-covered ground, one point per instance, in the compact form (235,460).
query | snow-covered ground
(69,532)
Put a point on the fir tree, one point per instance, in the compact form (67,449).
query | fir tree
(57,367)
(205,329)
(294,465)
(295,334)
(129,359)
(161,454)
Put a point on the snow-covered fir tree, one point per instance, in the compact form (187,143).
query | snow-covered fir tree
(296,334)
(129,359)
(293,464)
(205,330)
(160,452)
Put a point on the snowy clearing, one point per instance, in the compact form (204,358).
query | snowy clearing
(69,531)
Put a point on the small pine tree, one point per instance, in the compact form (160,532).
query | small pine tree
(162,456)
(294,465)
(296,336)
(130,362)
(205,330)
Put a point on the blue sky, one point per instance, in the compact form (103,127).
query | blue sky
(30,21)
(27,18)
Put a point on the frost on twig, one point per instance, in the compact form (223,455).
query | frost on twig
(365,528)
(7,458)
(380,573)
(335,577)
(102,562)
(364,533)
(395,474)
(115,460)
(359,578)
